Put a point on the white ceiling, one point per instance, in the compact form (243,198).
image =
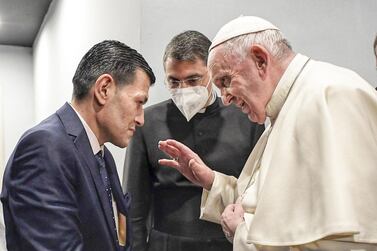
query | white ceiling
(20,21)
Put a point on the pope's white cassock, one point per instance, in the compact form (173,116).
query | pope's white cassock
(311,181)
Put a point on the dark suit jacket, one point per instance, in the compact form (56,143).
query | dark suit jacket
(222,136)
(52,193)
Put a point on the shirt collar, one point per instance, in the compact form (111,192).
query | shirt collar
(284,85)
(94,144)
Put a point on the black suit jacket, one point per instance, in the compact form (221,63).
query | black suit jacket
(52,194)
(222,136)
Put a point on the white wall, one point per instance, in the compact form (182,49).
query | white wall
(2,230)
(17,94)
(2,161)
(16,102)
(337,31)
(70,28)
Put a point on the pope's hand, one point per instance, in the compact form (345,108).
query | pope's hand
(186,162)
(231,218)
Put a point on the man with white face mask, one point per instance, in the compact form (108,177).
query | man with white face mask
(221,135)
(190,100)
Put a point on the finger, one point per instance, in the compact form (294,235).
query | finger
(238,209)
(225,229)
(169,142)
(227,213)
(169,163)
(163,145)
(225,223)
(178,145)
(229,209)
(224,226)
(168,149)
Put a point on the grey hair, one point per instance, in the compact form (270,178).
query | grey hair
(272,40)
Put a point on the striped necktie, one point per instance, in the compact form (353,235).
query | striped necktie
(121,232)
(106,184)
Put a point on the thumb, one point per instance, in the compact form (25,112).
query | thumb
(202,173)
(195,169)
(194,165)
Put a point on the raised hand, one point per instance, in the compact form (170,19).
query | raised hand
(186,162)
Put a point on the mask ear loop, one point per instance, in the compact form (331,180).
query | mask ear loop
(209,82)
(212,91)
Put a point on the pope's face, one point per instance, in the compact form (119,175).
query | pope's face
(239,82)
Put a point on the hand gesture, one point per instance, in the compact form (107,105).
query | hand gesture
(186,162)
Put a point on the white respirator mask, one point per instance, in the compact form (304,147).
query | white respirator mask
(190,100)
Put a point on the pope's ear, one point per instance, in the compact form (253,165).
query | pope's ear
(102,88)
(260,56)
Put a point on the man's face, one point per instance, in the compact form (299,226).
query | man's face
(239,82)
(124,110)
(182,74)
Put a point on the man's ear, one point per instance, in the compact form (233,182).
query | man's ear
(103,87)
(260,56)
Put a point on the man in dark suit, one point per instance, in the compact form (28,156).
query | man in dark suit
(61,189)
(222,136)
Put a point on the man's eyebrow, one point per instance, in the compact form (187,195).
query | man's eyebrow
(171,77)
(195,75)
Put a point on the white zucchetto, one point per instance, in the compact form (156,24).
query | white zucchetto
(241,26)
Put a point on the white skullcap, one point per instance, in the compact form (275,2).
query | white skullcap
(241,26)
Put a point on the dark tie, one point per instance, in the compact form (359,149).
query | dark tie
(106,184)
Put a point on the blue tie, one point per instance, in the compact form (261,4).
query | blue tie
(106,184)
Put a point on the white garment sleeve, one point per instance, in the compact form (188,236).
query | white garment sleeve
(222,193)
(239,242)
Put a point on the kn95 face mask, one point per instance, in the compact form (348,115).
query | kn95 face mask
(190,100)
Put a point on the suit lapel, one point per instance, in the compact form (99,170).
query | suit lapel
(75,128)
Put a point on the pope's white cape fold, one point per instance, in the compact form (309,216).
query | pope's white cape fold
(319,161)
